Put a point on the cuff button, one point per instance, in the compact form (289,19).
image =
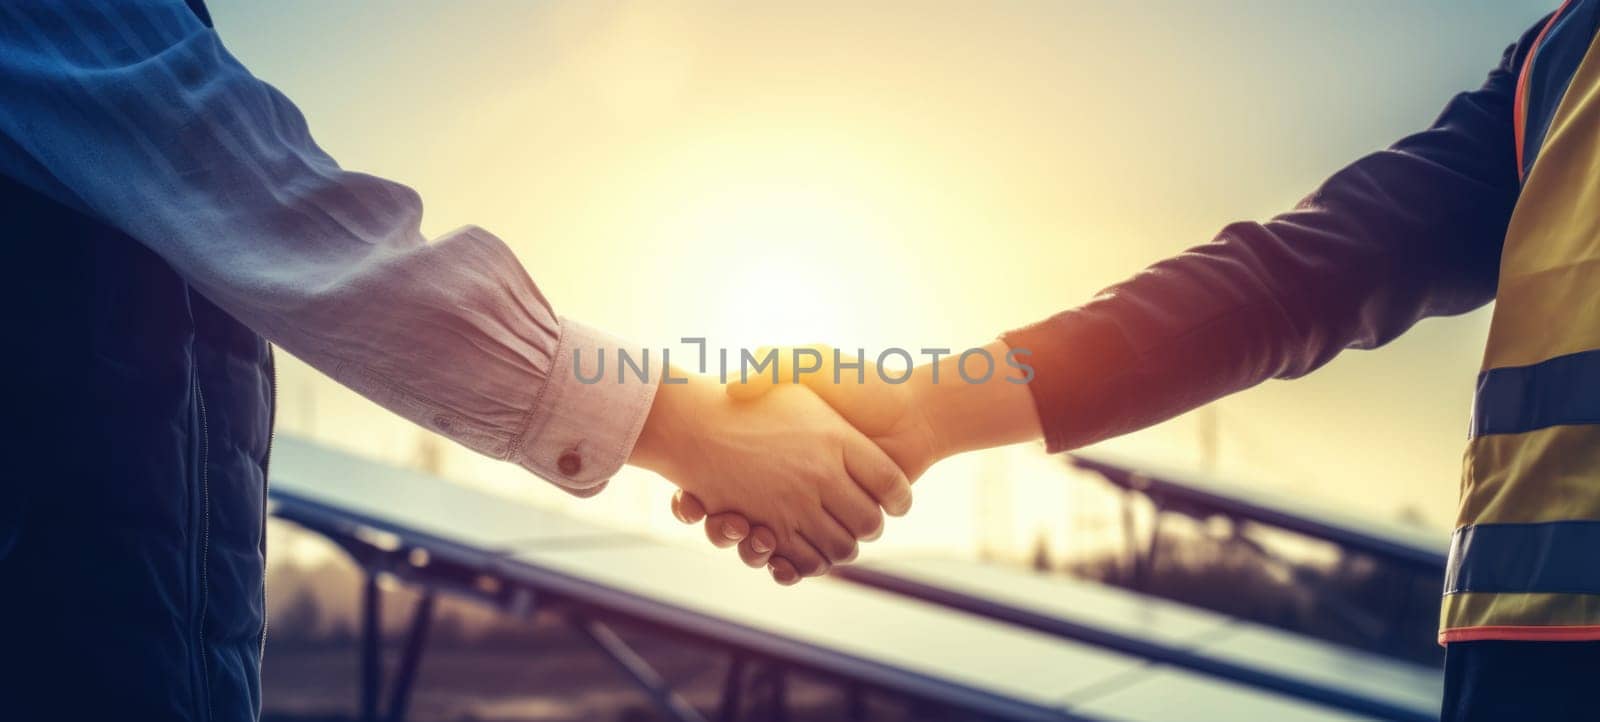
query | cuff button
(570,463)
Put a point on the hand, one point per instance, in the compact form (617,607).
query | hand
(893,416)
(729,528)
(785,461)
(886,413)
(934,414)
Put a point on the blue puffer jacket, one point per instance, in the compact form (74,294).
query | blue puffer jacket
(132,504)
(131,508)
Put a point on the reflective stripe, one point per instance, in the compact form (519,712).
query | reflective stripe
(1555,557)
(1470,610)
(1561,391)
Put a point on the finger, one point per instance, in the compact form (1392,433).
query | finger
(783,572)
(830,537)
(857,512)
(877,475)
(763,540)
(806,559)
(726,529)
(791,364)
(756,549)
(687,507)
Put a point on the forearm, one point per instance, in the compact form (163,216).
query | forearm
(180,148)
(964,416)
(1405,233)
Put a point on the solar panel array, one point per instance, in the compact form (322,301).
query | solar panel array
(886,641)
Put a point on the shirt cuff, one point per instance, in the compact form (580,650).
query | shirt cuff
(1081,368)
(585,420)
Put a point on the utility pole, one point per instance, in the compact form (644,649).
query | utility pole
(430,454)
(308,406)
(994,505)
(1206,418)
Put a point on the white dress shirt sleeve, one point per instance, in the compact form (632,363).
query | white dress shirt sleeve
(134,113)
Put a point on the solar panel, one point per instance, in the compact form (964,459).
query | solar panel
(887,635)
(1389,540)
(1411,686)
(885,641)
(1168,694)
(1168,630)
(1095,605)
(343,481)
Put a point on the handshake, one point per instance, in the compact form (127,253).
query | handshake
(797,473)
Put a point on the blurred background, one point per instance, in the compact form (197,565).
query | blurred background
(917,174)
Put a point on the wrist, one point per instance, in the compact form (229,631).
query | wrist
(926,400)
(939,404)
(669,427)
(988,406)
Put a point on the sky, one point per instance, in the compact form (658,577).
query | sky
(917,174)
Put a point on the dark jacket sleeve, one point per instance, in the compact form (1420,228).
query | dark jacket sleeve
(1399,235)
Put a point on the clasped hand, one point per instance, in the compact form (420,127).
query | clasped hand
(779,457)
(796,473)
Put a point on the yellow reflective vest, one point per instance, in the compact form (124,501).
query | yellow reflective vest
(1525,558)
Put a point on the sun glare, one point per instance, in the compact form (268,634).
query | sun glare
(790,261)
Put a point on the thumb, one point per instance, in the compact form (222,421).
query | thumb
(878,475)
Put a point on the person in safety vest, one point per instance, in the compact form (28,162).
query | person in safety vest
(1498,200)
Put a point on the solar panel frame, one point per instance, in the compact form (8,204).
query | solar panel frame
(1393,542)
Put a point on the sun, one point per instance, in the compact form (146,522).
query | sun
(792,264)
